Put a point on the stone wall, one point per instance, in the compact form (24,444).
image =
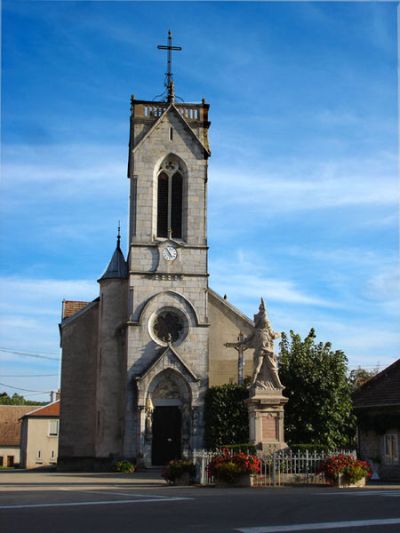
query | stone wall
(226,323)
(79,340)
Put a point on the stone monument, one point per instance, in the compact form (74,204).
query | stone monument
(266,401)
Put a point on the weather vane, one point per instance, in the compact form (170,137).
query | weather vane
(169,82)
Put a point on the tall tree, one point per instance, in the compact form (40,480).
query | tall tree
(358,376)
(319,410)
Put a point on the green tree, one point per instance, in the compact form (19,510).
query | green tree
(16,399)
(226,416)
(358,376)
(319,410)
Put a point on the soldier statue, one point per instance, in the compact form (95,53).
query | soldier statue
(265,375)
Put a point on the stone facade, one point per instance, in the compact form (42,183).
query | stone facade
(154,341)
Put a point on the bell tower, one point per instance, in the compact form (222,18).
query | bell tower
(167,330)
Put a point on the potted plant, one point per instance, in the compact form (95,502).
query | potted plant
(234,469)
(125,467)
(345,471)
(179,472)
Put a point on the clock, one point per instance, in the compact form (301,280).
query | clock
(169,253)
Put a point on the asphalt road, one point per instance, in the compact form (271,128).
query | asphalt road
(115,503)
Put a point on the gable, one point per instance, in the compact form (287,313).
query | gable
(172,117)
(168,358)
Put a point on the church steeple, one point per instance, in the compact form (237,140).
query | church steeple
(117,267)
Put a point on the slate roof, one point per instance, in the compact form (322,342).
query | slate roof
(70,307)
(382,390)
(50,410)
(117,267)
(10,425)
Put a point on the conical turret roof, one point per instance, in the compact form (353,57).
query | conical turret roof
(117,267)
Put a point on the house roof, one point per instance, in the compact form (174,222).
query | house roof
(70,307)
(382,390)
(50,410)
(10,425)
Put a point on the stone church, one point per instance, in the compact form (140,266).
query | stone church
(137,361)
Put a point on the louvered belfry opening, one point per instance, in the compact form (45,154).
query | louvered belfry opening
(170,200)
(162,205)
(176,206)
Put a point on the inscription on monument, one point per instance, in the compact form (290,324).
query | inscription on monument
(269,428)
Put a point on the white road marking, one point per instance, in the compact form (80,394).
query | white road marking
(393,492)
(121,494)
(321,525)
(80,504)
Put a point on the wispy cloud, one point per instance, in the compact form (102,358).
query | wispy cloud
(295,185)
(245,282)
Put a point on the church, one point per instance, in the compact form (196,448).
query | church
(138,360)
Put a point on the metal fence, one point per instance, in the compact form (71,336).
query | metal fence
(279,468)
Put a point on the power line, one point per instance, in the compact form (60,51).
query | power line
(29,354)
(28,375)
(25,390)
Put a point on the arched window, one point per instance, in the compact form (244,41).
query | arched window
(169,200)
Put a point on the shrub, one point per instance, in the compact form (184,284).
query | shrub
(124,466)
(351,470)
(177,468)
(228,466)
(226,416)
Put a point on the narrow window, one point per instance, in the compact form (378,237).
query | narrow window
(171,134)
(169,205)
(162,206)
(176,206)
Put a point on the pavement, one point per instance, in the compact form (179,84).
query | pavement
(142,502)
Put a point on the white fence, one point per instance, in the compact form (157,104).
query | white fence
(279,468)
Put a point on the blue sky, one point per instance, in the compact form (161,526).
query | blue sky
(303,190)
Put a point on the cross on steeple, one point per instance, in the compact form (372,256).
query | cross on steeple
(169,82)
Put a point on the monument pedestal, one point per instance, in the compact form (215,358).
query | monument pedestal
(266,416)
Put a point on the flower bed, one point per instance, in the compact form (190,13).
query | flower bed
(234,468)
(344,470)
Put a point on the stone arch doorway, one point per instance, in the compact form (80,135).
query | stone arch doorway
(168,417)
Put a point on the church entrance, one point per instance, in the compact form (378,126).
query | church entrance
(167,433)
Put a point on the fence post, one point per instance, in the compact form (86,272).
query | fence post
(203,480)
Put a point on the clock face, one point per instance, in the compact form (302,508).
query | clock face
(169,253)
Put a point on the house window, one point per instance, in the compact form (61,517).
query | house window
(53,428)
(1,460)
(391,449)
(10,461)
(169,199)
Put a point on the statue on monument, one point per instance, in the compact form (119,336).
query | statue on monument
(265,374)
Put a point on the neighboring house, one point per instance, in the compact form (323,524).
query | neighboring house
(377,406)
(10,429)
(39,436)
